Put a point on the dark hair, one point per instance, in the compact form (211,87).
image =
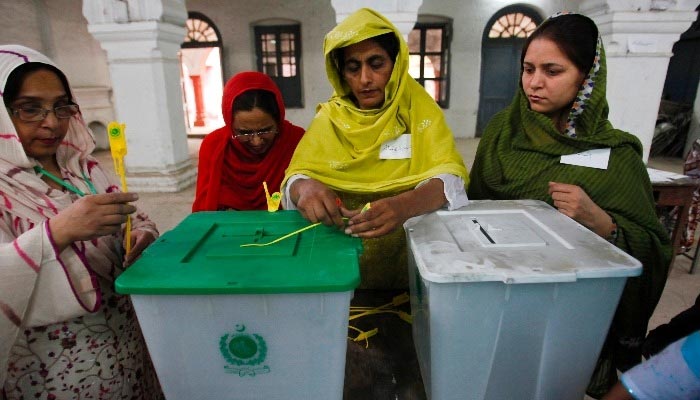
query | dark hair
(19,74)
(386,41)
(257,98)
(575,34)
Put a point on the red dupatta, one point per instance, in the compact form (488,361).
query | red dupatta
(223,159)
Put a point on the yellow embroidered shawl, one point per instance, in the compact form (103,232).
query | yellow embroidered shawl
(341,147)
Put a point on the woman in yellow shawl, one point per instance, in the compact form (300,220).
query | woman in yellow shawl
(380,140)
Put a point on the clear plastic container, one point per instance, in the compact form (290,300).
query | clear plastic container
(510,300)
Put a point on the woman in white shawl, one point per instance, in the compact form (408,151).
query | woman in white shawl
(64,333)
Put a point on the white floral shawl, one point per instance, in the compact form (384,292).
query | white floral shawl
(38,286)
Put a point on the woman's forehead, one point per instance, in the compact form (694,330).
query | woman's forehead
(255,118)
(42,85)
(545,51)
(364,49)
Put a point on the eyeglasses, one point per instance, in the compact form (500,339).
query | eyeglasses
(34,114)
(244,135)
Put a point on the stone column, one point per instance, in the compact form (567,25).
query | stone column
(199,118)
(142,38)
(638,37)
(196,62)
(402,13)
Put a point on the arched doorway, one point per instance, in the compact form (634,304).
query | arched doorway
(502,43)
(201,75)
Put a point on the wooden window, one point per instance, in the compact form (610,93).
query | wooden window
(429,49)
(278,51)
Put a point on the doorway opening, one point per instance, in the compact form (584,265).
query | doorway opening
(502,43)
(201,75)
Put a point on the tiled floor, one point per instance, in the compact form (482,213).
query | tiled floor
(167,209)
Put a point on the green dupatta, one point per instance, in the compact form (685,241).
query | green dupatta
(520,153)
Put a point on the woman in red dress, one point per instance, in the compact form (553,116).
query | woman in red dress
(254,147)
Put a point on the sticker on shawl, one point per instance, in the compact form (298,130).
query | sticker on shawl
(244,352)
(396,149)
(596,158)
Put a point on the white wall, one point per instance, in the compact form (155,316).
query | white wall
(316,17)
(20,21)
(635,79)
(58,29)
(469,22)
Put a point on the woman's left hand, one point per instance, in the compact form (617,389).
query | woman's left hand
(140,239)
(387,214)
(575,203)
(382,217)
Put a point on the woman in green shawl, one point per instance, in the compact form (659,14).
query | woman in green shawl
(540,147)
(381,141)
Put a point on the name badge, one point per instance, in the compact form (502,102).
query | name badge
(396,149)
(596,158)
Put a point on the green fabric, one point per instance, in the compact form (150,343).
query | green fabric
(383,262)
(520,153)
(341,147)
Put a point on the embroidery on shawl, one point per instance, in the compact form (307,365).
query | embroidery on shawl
(90,165)
(25,257)
(424,124)
(9,136)
(49,204)
(13,171)
(338,165)
(79,246)
(83,177)
(392,132)
(20,55)
(586,87)
(8,203)
(10,314)
(71,145)
(341,35)
(584,94)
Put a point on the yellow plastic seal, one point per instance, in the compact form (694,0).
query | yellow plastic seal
(273,201)
(117,145)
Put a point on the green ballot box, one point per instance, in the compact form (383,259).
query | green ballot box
(226,317)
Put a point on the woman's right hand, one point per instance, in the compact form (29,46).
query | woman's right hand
(91,217)
(316,202)
(575,203)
